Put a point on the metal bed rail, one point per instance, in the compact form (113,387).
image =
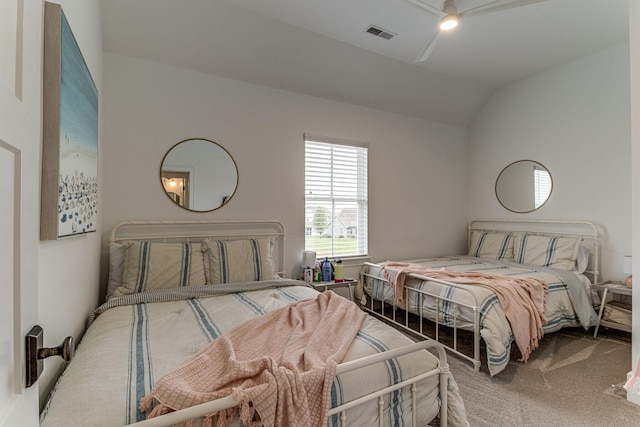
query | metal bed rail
(587,232)
(474,358)
(442,371)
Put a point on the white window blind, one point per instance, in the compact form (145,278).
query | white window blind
(542,186)
(336,215)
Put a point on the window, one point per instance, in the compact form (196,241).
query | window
(335,197)
(542,186)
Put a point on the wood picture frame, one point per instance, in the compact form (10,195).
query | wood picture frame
(69,189)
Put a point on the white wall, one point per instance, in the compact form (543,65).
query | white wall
(575,120)
(68,269)
(634,42)
(149,107)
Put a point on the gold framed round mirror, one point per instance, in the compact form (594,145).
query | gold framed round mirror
(524,186)
(199,175)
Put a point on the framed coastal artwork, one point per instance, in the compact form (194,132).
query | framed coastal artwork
(69,190)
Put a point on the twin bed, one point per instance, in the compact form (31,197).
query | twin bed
(562,254)
(160,315)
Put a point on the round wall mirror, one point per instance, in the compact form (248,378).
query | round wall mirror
(199,175)
(524,186)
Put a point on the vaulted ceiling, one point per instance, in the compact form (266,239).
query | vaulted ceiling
(322,48)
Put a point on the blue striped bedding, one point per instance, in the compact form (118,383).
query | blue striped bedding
(132,341)
(568,302)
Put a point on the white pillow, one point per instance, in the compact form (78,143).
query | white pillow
(582,261)
(547,251)
(153,265)
(491,245)
(117,252)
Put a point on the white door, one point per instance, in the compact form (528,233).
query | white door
(19,143)
(17,406)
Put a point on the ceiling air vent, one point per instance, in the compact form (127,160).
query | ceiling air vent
(377,31)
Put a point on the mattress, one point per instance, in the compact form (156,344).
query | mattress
(132,341)
(568,302)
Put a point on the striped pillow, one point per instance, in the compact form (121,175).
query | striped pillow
(547,251)
(491,245)
(154,265)
(238,260)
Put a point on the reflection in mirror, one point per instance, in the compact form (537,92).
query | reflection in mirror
(199,175)
(524,186)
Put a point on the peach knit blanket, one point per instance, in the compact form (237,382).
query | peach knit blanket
(522,299)
(280,366)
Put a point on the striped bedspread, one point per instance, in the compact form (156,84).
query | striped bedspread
(568,301)
(133,341)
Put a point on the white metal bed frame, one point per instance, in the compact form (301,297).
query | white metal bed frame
(442,371)
(586,231)
(195,231)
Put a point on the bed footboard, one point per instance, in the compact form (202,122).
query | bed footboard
(440,301)
(442,371)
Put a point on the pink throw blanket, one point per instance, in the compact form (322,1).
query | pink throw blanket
(279,366)
(522,299)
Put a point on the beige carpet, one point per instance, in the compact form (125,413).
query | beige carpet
(566,382)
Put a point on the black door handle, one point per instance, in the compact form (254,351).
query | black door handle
(35,353)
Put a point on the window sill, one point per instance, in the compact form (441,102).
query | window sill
(354,261)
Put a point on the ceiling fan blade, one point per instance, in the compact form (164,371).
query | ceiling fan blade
(428,49)
(498,5)
(433,10)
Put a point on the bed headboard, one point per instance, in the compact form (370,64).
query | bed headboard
(586,231)
(196,231)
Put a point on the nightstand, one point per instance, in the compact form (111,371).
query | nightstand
(347,283)
(615,288)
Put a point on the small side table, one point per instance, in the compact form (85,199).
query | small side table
(347,283)
(616,288)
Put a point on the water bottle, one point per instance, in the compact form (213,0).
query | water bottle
(327,270)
